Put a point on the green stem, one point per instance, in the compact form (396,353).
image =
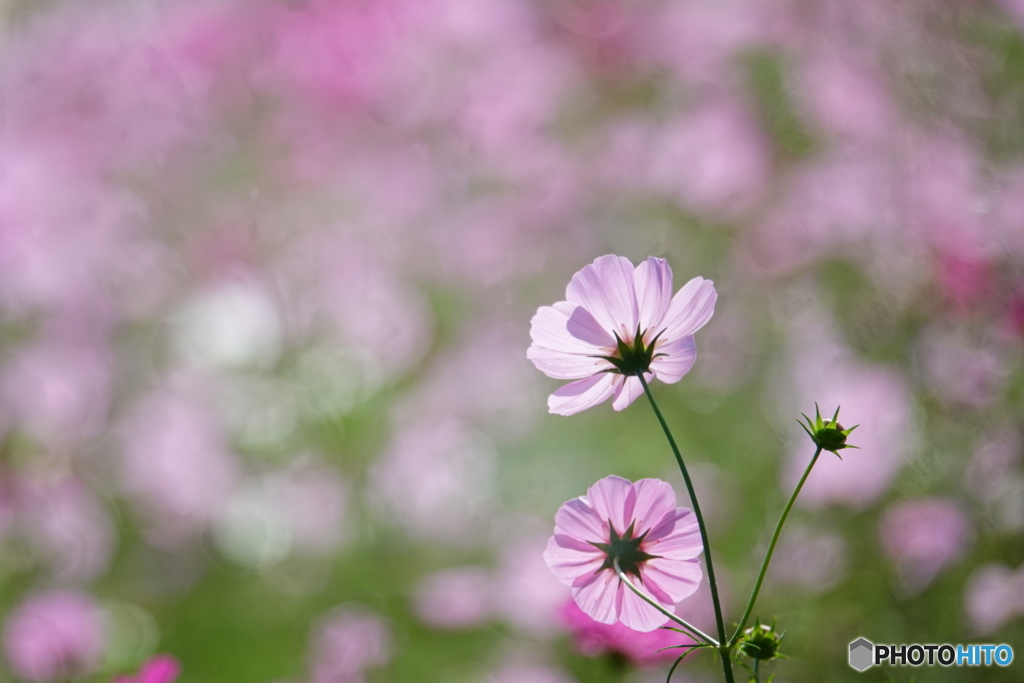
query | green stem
(771,548)
(757,676)
(694,631)
(724,647)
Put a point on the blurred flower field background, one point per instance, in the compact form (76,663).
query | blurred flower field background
(266,276)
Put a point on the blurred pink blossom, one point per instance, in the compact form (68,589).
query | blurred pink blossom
(436,479)
(610,302)
(714,159)
(944,194)
(158,669)
(835,204)
(175,461)
(454,598)
(639,524)
(60,233)
(69,526)
(525,593)
(58,391)
(481,379)
(845,97)
(993,462)
(641,648)
(810,561)
(922,537)
(299,511)
(961,368)
(345,643)
(700,40)
(343,288)
(993,595)
(54,636)
(329,52)
(99,87)
(966,281)
(526,671)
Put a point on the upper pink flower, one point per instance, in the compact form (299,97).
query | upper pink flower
(616,321)
(638,524)
(159,669)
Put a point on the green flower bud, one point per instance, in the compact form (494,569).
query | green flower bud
(828,435)
(761,642)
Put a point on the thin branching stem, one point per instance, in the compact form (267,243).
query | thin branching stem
(771,549)
(724,646)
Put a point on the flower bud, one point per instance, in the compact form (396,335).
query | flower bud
(761,642)
(828,435)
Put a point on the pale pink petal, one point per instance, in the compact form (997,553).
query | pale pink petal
(570,330)
(577,518)
(677,359)
(654,500)
(605,288)
(676,536)
(560,365)
(612,499)
(678,578)
(627,390)
(568,561)
(638,615)
(599,597)
(652,281)
(581,324)
(582,394)
(691,309)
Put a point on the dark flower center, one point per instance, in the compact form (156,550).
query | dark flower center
(635,357)
(625,549)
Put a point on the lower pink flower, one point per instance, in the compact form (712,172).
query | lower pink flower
(638,525)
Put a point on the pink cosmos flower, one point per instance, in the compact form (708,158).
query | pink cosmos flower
(159,669)
(640,526)
(618,320)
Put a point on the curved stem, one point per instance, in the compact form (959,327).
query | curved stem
(712,583)
(694,631)
(771,548)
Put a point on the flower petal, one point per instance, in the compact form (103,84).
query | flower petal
(691,309)
(654,500)
(582,325)
(605,288)
(559,365)
(638,615)
(582,394)
(676,536)
(627,389)
(600,598)
(577,518)
(677,361)
(568,561)
(612,499)
(652,281)
(678,578)
(569,328)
